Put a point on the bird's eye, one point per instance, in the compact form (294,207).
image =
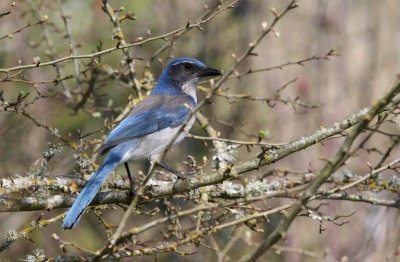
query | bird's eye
(188,66)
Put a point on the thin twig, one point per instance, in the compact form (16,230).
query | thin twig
(73,48)
(53,52)
(331,166)
(112,49)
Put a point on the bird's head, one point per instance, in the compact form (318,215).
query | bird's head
(182,76)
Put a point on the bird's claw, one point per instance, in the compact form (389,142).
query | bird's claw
(133,190)
(181,176)
(185,175)
(175,188)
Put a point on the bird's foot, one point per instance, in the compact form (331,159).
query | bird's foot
(185,175)
(176,172)
(181,176)
(175,188)
(133,189)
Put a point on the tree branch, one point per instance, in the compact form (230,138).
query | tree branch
(332,165)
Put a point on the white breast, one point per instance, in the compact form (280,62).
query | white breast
(189,88)
(154,144)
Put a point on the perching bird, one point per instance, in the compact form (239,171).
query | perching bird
(148,129)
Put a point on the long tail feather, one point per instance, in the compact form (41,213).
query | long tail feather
(90,190)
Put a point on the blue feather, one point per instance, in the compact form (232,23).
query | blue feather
(90,190)
(144,133)
(155,113)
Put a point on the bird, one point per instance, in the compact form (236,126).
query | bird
(148,129)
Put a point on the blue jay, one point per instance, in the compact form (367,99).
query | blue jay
(147,130)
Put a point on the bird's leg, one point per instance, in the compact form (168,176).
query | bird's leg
(180,175)
(173,171)
(131,182)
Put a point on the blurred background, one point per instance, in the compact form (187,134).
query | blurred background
(364,33)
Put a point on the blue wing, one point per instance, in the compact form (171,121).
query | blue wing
(148,119)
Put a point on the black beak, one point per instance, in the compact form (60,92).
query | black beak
(209,72)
